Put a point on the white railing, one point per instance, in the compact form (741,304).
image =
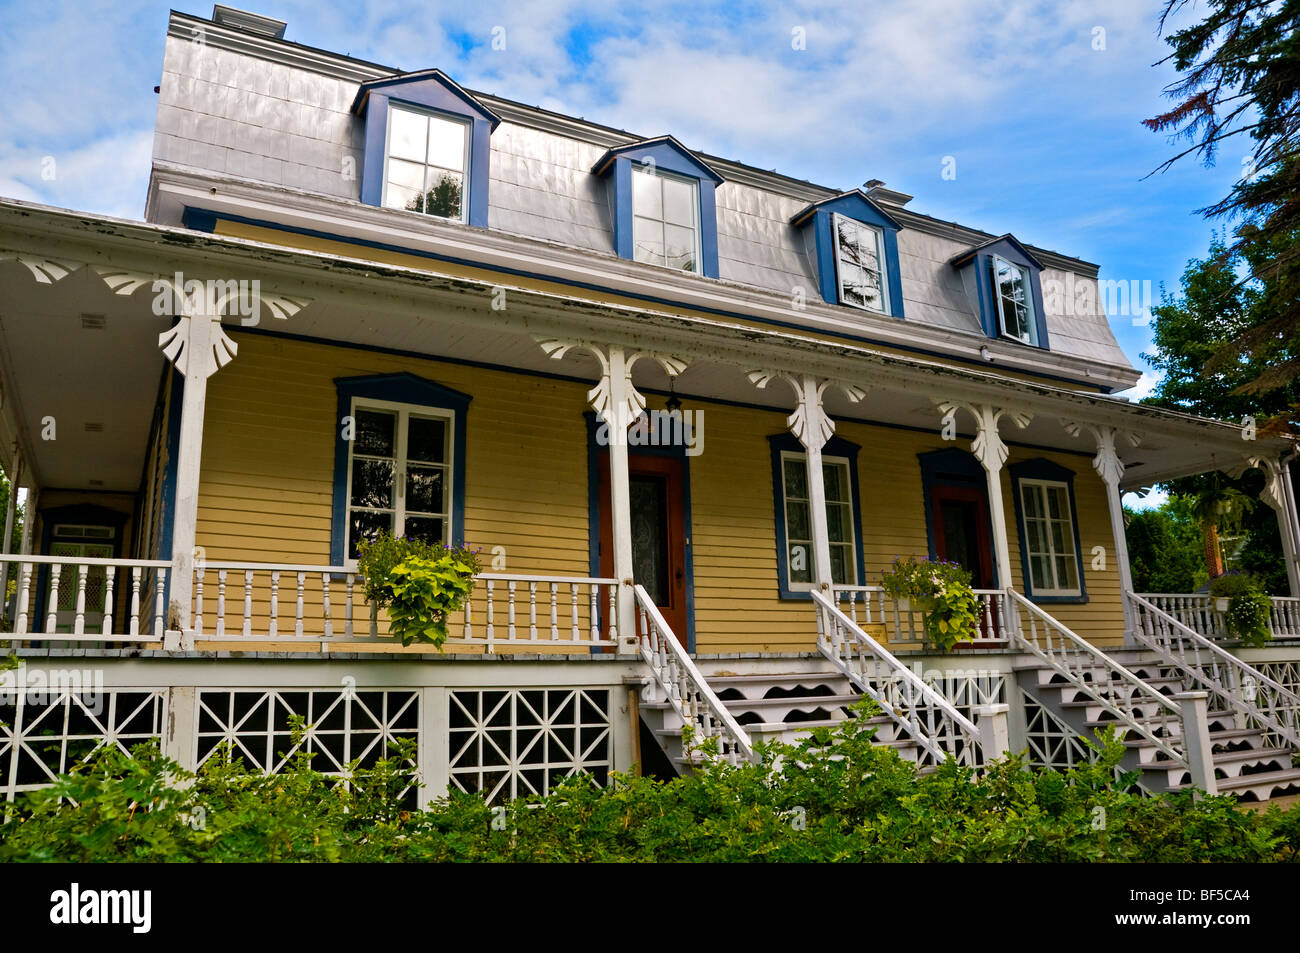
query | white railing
(90,599)
(276,602)
(1238,686)
(1199,612)
(684,687)
(904,627)
(1131,701)
(929,719)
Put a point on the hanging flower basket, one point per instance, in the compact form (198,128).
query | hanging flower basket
(941,591)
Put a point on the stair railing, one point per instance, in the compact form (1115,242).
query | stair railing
(928,718)
(1241,687)
(684,687)
(1094,673)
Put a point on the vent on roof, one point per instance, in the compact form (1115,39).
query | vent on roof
(94,426)
(92,322)
(248,22)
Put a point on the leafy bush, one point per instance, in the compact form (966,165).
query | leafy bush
(835,796)
(940,590)
(1249,607)
(420,584)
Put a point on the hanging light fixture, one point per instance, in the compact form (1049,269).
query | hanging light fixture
(673,402)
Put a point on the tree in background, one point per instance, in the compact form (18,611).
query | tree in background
(1240,77)
(1164,547)
(14,543)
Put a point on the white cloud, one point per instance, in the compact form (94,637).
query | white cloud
(1145,386)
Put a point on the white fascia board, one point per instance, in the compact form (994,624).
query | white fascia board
(501,250)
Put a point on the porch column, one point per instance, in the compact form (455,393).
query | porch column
(618,404)
(1279,494)
(1111,470)
(991,451)
(198,348)
(813,427)
(11,509)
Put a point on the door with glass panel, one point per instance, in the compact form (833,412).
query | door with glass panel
(960,525)
(97,543)
(399,478)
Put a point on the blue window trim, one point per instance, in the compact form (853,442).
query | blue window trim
(432,91)
(835,447)
(671,156)
(857,206)
(593,513)
(980,258)
(1043,469)
(400,388)
(954,467)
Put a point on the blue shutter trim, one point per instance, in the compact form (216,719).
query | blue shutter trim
(430,91)
(1043,469)
(402,388)
(954,467)
(670,156)
(835,447)
(856,206)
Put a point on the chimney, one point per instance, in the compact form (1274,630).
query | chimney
(876,190)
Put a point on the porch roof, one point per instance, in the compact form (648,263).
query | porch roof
(51,367)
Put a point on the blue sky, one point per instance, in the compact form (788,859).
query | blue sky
(1037,106)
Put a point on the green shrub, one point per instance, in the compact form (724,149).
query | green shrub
(940,590)
(834,797)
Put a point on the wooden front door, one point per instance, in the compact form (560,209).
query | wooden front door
(658,503)
(960,516)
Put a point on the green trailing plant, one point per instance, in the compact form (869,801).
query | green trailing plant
(1249,607)
(419,583)
(942,592)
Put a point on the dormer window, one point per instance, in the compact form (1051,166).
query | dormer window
(1002,282)
(426,146)
(1014,300)
(665,219)
(427,158)
(852,244)
(859,265)
(662,205)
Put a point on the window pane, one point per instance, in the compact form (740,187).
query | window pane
(648,240)
(407,134)
(426,440)
(1033,505)
(374,433)
(1060,534)
(679,247)
(1039,572)
(1066,574)
(839,523)
(796,478)
(372,483)
(835,478)
(447,144)
(800,563)
(647,195)
(395,196)
(425,528)
(798,526)
(424,490)
(1058,506)
(366,525)
(442,196)
(679,203)
(408,175)
(841,560)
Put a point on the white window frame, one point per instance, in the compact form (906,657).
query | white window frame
(882,272)
(698,252)
(400,462)
(851,543)
(1031,324)
(465,159)
(1051,554)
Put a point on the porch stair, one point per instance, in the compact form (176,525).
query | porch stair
(1246,762)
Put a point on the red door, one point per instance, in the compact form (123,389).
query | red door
(658,508)
(960,516)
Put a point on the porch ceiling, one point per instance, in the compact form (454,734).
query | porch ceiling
(53,367)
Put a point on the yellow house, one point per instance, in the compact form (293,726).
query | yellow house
(687,411)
